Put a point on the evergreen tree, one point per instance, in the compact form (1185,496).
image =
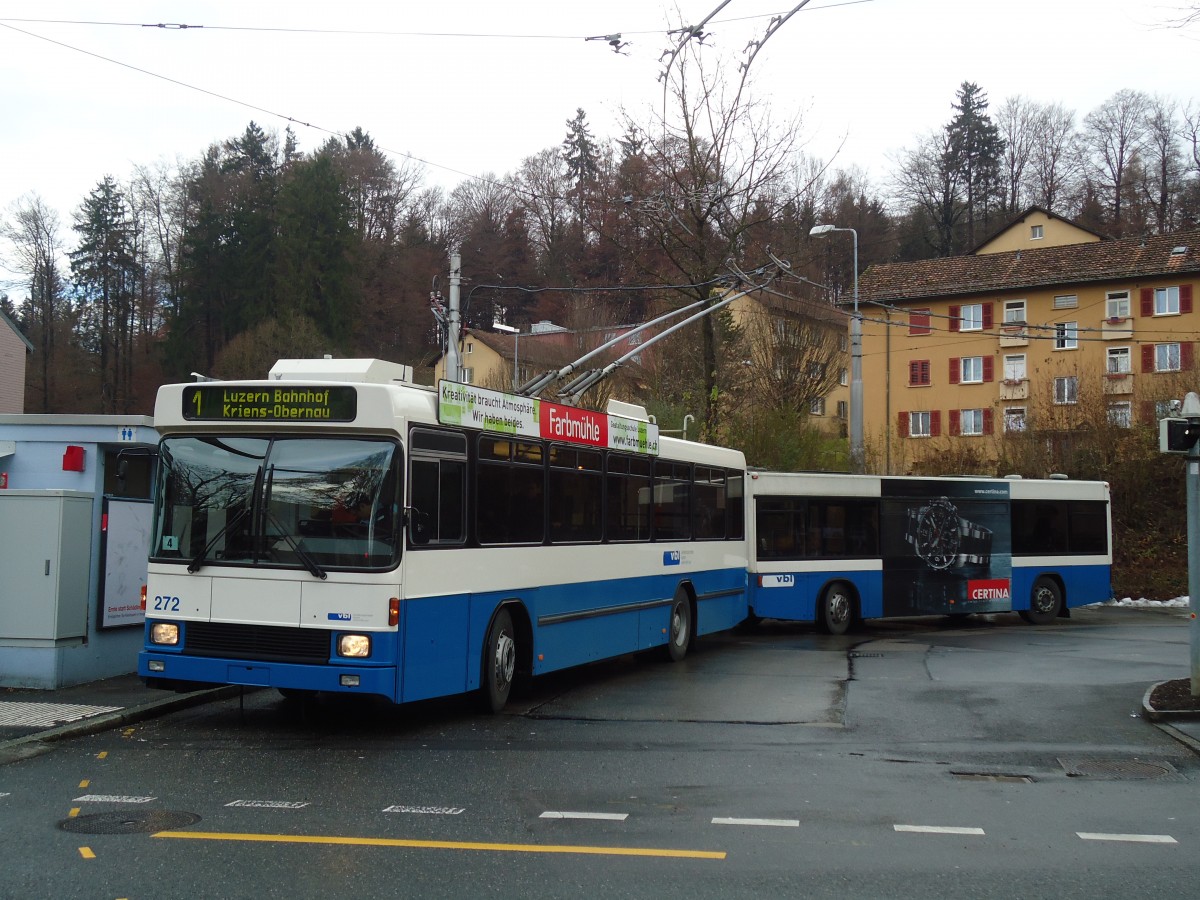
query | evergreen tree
(315,249)
(105,270)
(976,149)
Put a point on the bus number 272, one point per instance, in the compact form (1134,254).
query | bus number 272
(166,604)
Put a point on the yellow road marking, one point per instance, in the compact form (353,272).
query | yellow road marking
(441,845)
(84,783)
(86,853)
(102,754)
(73,813)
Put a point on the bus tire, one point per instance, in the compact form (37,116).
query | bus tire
(499,663)
(679,628)
(835,614)
(1045,602)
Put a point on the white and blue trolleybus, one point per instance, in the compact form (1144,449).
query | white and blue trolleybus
(338,528)
(833,549)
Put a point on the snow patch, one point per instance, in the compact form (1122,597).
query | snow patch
(1143,603)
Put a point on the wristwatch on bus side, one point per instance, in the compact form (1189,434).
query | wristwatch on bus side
(942,538)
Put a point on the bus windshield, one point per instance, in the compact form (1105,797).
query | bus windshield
(283,502)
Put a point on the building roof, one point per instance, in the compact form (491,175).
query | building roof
(17,331)
(1117,260)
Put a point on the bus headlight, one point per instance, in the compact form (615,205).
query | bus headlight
(164,633)
(357,646)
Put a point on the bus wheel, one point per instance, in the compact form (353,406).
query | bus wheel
(836,612)
(679,637)
(1045,603)
(499,663)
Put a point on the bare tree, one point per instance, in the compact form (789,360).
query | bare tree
(1164,165)
(34,245)
(926,180)
(1115,134)
(715,167)
(1018,120)
(1055,158)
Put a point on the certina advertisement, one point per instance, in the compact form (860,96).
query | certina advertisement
(947,548)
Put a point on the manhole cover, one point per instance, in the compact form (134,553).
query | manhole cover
(1116,768)
(129,822)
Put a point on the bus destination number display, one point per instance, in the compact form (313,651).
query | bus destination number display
(277,403)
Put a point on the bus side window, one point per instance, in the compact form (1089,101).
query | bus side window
(437,488)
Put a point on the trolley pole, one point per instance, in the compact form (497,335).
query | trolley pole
(1193,539)
(453,360)
(1181,434)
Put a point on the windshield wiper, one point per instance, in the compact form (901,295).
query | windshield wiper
(195,564)
(298,548)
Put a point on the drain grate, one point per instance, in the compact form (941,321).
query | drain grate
(128,822)
(1116,768)
(992,776)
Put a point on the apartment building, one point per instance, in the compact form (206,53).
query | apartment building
(1044,325)
(14,348)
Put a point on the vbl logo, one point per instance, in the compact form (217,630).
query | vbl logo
(670,557)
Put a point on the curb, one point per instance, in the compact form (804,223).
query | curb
(1162,718)
(127,716)
(1165,715)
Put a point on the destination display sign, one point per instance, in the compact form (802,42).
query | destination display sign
(276,403)
(475,407)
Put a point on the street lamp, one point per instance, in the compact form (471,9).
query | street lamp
(516,333)
(856,386)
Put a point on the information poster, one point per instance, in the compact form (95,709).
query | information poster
(474,407)
(126,547)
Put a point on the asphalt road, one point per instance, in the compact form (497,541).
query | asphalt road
(914,759)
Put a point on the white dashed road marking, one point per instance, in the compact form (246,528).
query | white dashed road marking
(111,798)
(607,817)
(778,823)
(427,810)
(270,804)
(1128,838)
(47,714)
(937,829)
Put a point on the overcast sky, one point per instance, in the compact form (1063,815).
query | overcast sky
(473,86)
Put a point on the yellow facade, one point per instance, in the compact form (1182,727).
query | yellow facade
(960,353)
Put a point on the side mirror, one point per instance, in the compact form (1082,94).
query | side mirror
(418,526)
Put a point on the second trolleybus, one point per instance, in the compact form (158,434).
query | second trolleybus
(835,549)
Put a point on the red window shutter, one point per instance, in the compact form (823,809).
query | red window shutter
(1185,356)
(1185,298)
(902,425)
(1147,295)
(1147,357)
(988,420)
(925,371)
(955,370)
(918,321)
(955,317)
(955,423)
(935,422)
(1149,413)
(987,316)
(989,368)
(914,372)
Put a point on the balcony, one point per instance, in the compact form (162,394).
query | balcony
(1014,389)
(1013,334)
(1117,329)
(1118,383)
